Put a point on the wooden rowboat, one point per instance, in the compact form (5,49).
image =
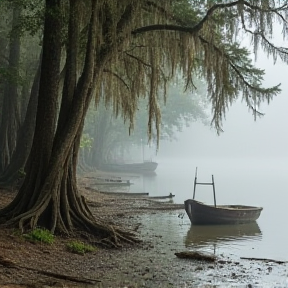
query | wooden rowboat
(202,214)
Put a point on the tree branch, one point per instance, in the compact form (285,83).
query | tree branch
(283,52)
(138,59)
(191,30)
(269,9)
(118,77)
(233,66)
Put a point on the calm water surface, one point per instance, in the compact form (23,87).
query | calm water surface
(258,182)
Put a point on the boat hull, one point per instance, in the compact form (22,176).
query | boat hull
(201,214)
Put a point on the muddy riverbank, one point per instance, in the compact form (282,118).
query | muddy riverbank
(152,263)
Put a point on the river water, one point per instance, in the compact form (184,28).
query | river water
(256,182)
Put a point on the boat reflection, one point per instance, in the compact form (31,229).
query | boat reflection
(213,234)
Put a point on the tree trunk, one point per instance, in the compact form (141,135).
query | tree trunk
(15,170)
(49,196)
(10,121)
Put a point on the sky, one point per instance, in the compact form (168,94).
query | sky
(242,136)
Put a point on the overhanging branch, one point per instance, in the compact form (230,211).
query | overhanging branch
(191,30)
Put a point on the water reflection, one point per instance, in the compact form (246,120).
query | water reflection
(213,234)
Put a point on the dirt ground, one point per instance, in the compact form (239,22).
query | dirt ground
(151,263)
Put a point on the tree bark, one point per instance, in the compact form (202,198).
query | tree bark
(45,118)
(15,171)
(10,121)
(49,196)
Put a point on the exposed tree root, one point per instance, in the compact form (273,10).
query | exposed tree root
(64,213)
(84,223)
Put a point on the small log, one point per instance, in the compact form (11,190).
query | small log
(103,183)
(196,256)
(164,207)
(264,259)
(162,197)
(125,193)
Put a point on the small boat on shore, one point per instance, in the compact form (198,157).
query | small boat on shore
(202,214)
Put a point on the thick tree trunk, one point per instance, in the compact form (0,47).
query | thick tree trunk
(10,121)
(15,170)
(49,196)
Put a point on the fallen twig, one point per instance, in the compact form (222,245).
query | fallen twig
(264,259)
(67,277)
(10,264)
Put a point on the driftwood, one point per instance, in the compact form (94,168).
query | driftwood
(125,193)
(162,197)
(196,256)
(66,277)
(265,260)
(118,193)
(131,194)
(164,207)
(11,264)
(103,183)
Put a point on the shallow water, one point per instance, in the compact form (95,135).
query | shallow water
(237,181)
(176,234)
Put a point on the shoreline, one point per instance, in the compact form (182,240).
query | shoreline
(151,263)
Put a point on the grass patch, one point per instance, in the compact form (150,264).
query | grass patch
(79,247)
(40,235)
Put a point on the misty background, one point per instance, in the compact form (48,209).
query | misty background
(249,161)
(265,138)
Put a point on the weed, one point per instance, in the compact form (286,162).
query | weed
(79,247)
(40,235)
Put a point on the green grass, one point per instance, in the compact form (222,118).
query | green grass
(40,235)
(79,247)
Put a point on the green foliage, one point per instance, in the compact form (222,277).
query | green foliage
(32,17)
(40,235)
(79,247)
(86,141)
(185,13)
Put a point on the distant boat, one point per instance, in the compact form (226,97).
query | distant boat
(110,179)
(202,214)
(112,182)
(141,167)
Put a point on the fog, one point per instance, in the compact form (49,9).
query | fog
(249,161)
(267,137)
